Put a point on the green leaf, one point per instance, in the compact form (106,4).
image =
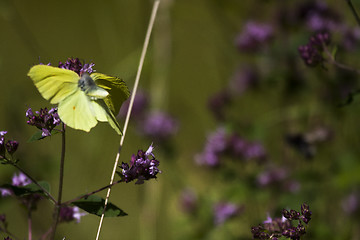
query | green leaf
(38,135)
(95,205)
(28,189)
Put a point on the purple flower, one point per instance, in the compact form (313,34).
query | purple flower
(140,104)
(75,65)
(188,200)
(218,102)
(5,192)
(253,36)
(44,120)
(283,227)
(11,146)
(68,214)
(272,176)
(224,210)
(143,166)
(245,149)
(20,180)
(215,145)
(351,203)
(160,126)
(244,79)
(2,144)
(311,53)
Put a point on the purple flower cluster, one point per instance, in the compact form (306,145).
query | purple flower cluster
(253,36)
(188,200)
(68,214)
(44,120)
(283,227)
(157,125)
(143,166)
(224,211)
(311,53)
(74,64)
(160,126)
(19,180)
(219,143)
(9,146)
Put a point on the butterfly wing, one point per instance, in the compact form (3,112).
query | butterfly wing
(117,89)
(104,114)
(77,111)
(54,84)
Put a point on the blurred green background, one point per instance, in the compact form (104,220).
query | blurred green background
(191,56)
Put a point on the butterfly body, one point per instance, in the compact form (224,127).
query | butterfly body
(82,100)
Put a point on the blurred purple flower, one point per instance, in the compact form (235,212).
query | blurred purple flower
(11,146)
(351,203)
(44,120)
(351,38)
(311,53)
(188,200)
(20,180)
(216,144)
(160,126)
(239,147)
(5,192)
(140,104)
(68,214)
(143,166)
(225,210)
(253,36)
(75,65)
(272,176)
(2,144)
(218,102)
(243,79)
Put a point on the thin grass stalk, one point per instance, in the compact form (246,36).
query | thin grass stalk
(138,74)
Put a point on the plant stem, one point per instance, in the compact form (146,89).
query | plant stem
(91,193)
(61,179)
(141,62)
(353,10)
(35,182)
(336,63)
(30,224)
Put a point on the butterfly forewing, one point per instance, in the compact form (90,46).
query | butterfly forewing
(54,84)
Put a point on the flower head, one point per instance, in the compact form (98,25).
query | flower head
(253,36)
(20,180)
(68,214)
(160,126)
(225,210)
(143,166)
(311,53)
(283,227)
(44,119)
(74,64)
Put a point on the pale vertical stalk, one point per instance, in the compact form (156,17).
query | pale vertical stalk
(161,50)
(141,63)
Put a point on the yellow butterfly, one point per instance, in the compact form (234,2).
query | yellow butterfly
(82,100)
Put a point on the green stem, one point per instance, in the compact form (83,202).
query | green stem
(91,193)
(332,60)
(34,181)
(353,10)
(30,225)
(61,179)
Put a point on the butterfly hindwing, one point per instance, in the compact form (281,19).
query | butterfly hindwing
(54,84)
(76,111)
(118,91)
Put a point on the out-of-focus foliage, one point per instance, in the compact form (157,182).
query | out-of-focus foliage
(258,127)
